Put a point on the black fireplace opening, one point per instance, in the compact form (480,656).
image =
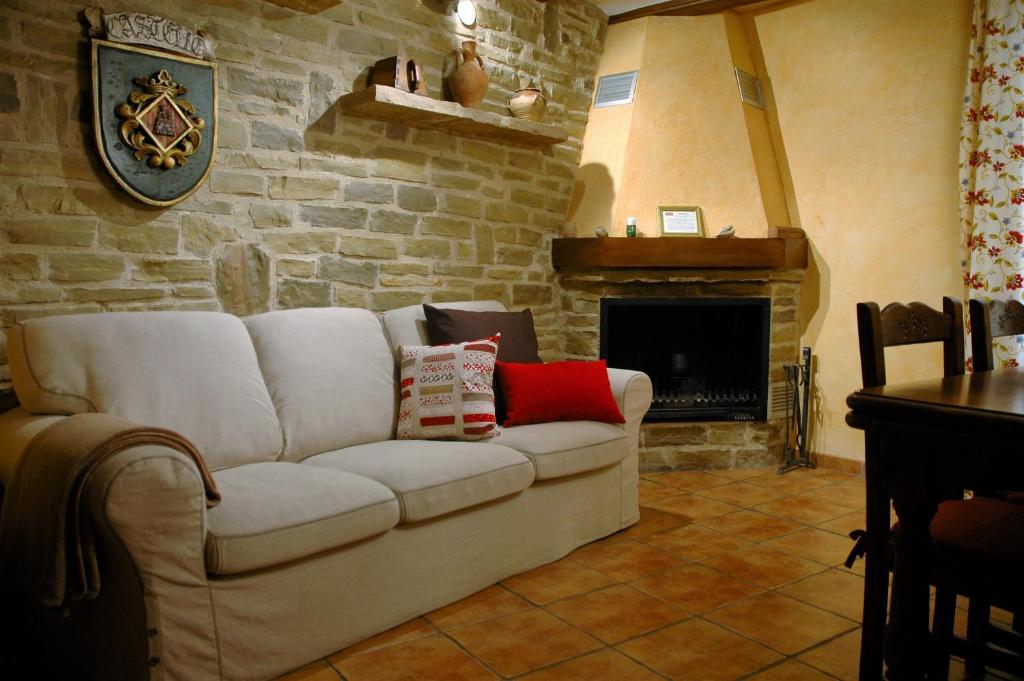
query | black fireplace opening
(707,357)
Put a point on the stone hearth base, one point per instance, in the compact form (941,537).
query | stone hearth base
(692,445)
(713,444)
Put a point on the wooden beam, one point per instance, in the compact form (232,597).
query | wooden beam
(681,8)
(679,253)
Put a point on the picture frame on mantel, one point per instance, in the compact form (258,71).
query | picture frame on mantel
(681,221)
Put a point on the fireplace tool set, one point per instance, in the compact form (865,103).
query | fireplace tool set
(798,399)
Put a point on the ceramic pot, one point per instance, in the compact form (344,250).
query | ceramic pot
(528,103)
(468,80)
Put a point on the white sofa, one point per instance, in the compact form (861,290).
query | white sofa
(329,530)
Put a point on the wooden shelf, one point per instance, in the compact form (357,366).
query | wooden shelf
(382,103)
(307,6)
(679,253)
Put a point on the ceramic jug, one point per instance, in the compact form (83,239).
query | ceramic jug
(528,103)
(468,80)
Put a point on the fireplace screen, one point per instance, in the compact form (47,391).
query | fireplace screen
(707,357)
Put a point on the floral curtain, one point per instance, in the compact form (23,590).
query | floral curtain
(992,162)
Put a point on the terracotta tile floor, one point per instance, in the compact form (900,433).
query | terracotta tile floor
(728,575)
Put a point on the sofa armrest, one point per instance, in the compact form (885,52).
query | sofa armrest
(17,428)
(633,393)
(148,508)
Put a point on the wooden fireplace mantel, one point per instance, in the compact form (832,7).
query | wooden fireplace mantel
(679,253)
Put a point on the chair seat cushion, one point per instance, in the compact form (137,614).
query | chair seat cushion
(433,478)
(981,530)
(567,447)
(276,512)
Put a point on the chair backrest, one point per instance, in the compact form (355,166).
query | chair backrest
(899,324)
(993,320)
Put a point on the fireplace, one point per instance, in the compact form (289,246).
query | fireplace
(707,356)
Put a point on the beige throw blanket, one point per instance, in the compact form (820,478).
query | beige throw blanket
(47,543)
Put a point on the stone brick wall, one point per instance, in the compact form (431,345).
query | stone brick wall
(304,206)
(686,445)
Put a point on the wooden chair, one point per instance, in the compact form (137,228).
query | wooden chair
(990,321)
(961,564)
(911,324)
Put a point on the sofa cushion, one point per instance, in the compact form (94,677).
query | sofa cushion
(331,377)
(558,391)
(193,372)
(567,447)
(518,337)
(447,391)
(433,478)
(408,325)
(275,512)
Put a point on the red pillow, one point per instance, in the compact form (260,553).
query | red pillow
(559,391)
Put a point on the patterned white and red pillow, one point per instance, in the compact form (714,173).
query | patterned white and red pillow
(447,391)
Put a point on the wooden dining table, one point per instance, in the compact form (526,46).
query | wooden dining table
(923,439)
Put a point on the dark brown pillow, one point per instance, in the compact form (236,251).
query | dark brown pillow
(518,337)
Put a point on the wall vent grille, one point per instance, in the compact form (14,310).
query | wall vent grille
(750,89)
(779,396)
(615,89)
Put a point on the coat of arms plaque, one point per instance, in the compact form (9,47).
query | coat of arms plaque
(154,107)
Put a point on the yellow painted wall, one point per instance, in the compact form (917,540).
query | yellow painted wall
(684,139)
(746,55)
(858,147)
(598,179)
(868,96)
(688,144)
